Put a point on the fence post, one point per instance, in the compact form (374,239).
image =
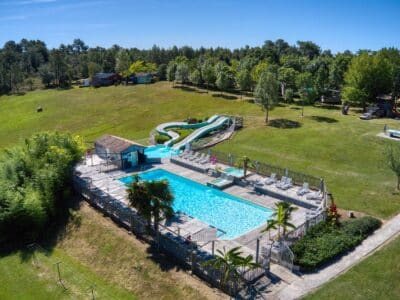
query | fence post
(193,258)
(212,247)
(257,250)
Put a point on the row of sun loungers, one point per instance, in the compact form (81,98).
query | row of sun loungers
(197,157)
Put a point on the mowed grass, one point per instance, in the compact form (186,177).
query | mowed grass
(100,254)
(377,277)
(21,278)
(342,149)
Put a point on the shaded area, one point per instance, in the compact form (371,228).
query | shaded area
(224,96)
(324,119)
(284,124)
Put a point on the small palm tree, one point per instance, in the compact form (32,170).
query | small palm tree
(228,262)
(139,198)
(152,199)
(281,217)
(161,200)
(245,163)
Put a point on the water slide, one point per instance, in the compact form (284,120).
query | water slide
(202,128)
(219,122)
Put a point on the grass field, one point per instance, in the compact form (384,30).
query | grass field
(97,253)
(342,149)
(377,277)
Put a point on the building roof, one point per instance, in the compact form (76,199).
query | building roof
(115,143)
(104,75)
(141,74)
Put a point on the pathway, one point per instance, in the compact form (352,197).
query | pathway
(307,283)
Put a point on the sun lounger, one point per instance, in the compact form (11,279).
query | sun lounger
(271,179)
(287,185)
(193,157)
(281,182)
(197,160)
(187,154)
(205,160)
(304,189)
(314,196)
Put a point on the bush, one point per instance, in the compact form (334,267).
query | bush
(33,180)
(161,139)
(362,226)
(323,242)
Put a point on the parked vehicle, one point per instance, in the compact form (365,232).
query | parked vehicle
(372,113)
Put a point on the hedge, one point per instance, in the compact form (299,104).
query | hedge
(161,139)
(324,242)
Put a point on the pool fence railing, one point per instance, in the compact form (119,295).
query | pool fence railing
(187,252)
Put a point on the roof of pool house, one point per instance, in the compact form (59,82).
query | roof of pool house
(115,143)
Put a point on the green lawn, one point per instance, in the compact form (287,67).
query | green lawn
(342,149)
(377,277)
(22,279)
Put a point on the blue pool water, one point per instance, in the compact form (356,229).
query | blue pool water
(224,211)
(234,172)
(159,151)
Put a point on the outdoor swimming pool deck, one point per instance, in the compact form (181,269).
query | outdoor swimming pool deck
(107,183)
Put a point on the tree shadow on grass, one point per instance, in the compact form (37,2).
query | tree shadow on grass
(323,119)
(165,261)
(284,124)
(295,108)
(185,88)
(226,97)
(329,107)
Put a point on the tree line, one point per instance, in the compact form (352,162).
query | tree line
(302,70)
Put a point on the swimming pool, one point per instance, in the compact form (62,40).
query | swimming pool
(234,171)
(160,151)
(224,211)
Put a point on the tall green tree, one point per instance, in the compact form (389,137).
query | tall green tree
(195,77)
(225,79)
(182,73)
(243,80)
(122,62)
(267,92)
(368,76)
(208,73)
(171,69)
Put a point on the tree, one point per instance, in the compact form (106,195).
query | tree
(245,163)
(59,67)
(224,77)
(229,262)
(288,96)
(171,69)
(257,70)
(368,76)
(287,77)
(122,62)
(46,74)
(309,49)
(162,72)
(304,82)
(195,77)
(208,73)
(396,83)
(93,68)
(392,155)
(152,199)
(337,70)
(243,79)
(267,92)
(182,73)
(281,218)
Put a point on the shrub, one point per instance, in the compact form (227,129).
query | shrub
(161,139)
(361,226)
(323,242)
(33,180)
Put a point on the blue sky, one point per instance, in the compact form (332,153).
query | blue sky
(336,25)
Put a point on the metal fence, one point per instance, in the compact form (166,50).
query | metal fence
(266,169)
(185,251)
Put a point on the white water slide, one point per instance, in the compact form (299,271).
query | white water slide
(203,128)
(219,122)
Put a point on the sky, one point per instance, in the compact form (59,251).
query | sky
(337,25)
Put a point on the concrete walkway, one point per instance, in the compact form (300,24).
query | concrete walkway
(307,283)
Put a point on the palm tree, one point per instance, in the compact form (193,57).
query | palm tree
(161,200)
(152,199)
(281,217)
(245,162)
(228,262)
(139,198)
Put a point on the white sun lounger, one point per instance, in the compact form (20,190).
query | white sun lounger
(304,189)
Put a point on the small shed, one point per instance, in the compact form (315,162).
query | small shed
(119,151)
